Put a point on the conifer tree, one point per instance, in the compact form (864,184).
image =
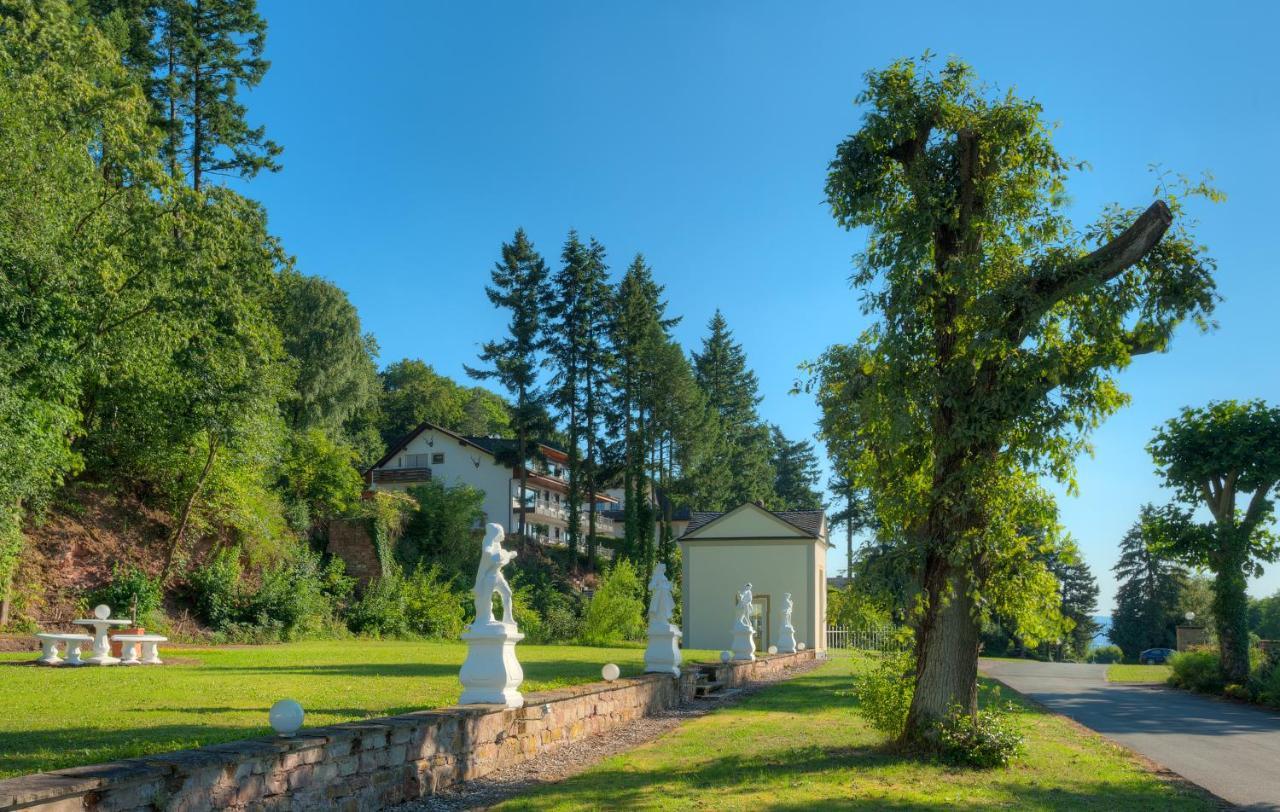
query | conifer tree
(1148,596)
(519,286)
(732,392)
(796,473)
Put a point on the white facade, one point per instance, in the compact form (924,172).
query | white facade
(752,545)
(453,461)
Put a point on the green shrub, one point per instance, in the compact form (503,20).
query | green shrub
(1265,682)
(1106,654)
(984,741)
(419,604)
(215,590)
(126,584)
(1196,670)
(884,693)
(616,611)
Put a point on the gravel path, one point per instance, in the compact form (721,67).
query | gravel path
(580,756)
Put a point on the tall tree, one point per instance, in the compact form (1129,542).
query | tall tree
(637,327)
(336,374)
(1148,593)
(854,513)
(795,466)
(732,393)
(579,353)
(998,335)
(1214,457)
(519,285)
(414,393)
(1078,590)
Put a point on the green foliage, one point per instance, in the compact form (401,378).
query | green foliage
(616,611)
(419,603)
(1264,617)
(1197,670)
(128,583)
(318,478)
(850,608)
(1210,457)
(984,740)
(796,473)
(444,531)
(414,393)
(998,330)
(1149,599)
(884,693)
(294,599)
(1106,654)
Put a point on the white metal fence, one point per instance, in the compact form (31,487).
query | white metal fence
(872,638)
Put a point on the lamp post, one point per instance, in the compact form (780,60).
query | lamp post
(1190,616)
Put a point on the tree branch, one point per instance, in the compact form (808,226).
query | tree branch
(1097,268)
(1257,506)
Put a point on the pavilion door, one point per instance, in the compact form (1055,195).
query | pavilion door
(760,621)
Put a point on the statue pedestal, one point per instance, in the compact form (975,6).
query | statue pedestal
(663,654)
(787,645)
(744,644)
(491,674)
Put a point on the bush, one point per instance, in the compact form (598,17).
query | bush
(884,694)
(1196,670)
(126,584)
(419,604)
(215,590)
(1265,682)
(295,599)
(984,741)
(616,611)
(1106,654)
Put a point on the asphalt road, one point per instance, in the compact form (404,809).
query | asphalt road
(1230,749)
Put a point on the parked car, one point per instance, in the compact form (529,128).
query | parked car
(1155,656)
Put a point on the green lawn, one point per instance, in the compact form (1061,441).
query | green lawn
(62,717)
(1116,672)
(799,746)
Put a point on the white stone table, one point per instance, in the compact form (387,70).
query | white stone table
(101,623)
(49,648)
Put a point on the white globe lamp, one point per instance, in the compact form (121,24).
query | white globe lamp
(102,611)
(610,672)
(286,717)
(773,649)
(725,656)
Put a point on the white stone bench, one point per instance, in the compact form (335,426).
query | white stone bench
(49,647)
(130,643)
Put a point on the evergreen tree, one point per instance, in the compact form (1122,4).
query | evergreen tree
(731,388)
(1079,593)
(1148,596)
(637,329)
(854,512)
(795,466)
(194,57)
(520,286)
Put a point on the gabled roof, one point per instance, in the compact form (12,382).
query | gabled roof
(489,445)
(808,522)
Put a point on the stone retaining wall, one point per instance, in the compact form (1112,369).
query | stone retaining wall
(372,764)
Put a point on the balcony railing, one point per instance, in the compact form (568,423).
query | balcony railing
(541,508)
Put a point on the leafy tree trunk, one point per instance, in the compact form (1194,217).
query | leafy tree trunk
(946,649)
(1231,612)
(175,543)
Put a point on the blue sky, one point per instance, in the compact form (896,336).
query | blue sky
(419,136)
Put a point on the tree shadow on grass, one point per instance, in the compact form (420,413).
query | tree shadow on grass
(425,670)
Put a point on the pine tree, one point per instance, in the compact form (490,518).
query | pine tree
(637,328)
(580,358)
(519,286)
(732,393)
(1079,591)
(796,472)
(1149,595)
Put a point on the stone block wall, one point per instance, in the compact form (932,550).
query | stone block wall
(371,764)
(349,540)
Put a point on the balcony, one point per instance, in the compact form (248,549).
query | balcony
(540,510)
(399,476)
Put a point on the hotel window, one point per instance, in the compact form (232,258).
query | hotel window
(437,458)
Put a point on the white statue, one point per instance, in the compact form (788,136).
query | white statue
(489,579)
(491,673)
(663,654)
(787,645)
(745,599)
(661,603)
(744,634)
